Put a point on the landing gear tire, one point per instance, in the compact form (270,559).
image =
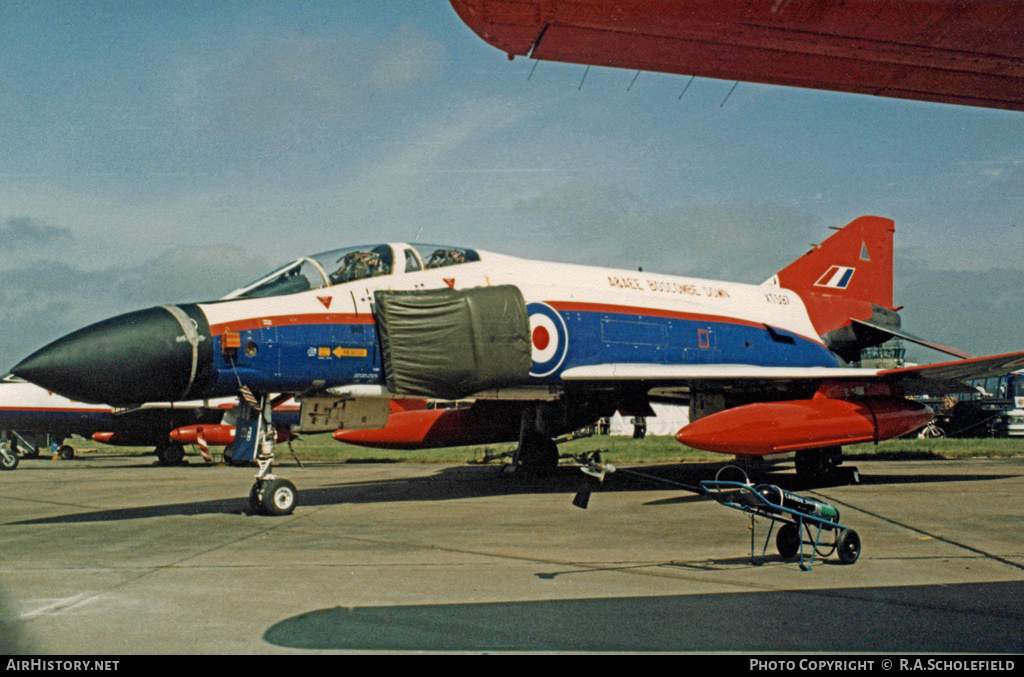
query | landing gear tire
(787,541)
(273,497)
(8,461)
(818,464)
(538,454)
(848,547)
(254,499)
(171,454)
(66,452)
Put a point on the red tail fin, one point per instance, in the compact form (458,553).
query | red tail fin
(847,276)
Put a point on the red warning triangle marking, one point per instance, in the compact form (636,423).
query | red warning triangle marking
(326,300)
(450,281)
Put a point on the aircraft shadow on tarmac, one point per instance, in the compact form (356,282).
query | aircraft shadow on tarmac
(927,618)
(472,481)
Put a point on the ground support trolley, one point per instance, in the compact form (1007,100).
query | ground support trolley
(800,517)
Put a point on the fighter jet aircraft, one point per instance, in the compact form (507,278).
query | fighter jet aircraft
(549,346)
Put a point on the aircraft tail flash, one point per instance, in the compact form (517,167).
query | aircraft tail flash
(855,262)
(847,277)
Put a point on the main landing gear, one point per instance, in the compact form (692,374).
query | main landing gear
(8,460)
(816,465)
(171,453)
(537,452)
(8,452)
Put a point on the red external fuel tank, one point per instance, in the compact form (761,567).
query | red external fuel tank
(777,427)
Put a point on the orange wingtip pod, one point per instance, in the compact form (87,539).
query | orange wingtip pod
(230,341)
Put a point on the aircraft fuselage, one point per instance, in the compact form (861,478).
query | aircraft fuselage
(328,337)
(579,315)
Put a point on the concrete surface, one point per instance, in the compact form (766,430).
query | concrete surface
(116,555)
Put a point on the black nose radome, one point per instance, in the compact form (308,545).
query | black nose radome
(159,354)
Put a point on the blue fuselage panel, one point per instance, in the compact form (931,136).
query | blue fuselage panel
(297,356)
(607,337)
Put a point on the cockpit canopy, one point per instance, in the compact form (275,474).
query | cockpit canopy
(353,263)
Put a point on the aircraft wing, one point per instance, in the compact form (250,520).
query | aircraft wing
(917,380)
(967,52)
(960,370)
(899,333)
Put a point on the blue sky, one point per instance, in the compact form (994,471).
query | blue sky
(156,152)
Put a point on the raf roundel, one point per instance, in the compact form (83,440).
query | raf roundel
(548,338)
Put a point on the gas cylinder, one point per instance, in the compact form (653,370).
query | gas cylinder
(807,506)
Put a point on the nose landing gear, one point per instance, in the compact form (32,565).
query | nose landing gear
(255,438)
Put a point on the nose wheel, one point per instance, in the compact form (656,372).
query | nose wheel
(273,497)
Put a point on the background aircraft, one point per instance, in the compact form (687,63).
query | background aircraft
(209,435)
(555,346)
(966,52)
(32,418)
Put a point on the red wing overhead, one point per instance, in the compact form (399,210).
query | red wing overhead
(968,52)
